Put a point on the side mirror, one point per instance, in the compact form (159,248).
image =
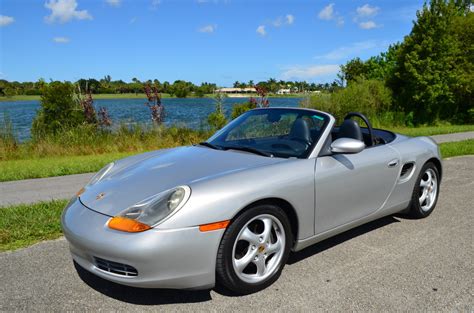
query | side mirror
(347,145)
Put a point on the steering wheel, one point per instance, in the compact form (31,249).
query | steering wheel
(366,121)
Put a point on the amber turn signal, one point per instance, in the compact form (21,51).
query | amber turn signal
(80,192)
(127,225)
(214,226)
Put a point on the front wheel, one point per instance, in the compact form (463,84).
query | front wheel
(254,249)
(425,193)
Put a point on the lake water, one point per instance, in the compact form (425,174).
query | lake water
(188,112)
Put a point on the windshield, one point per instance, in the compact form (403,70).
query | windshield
(273,132)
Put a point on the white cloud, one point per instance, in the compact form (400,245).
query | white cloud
(290,19)
(261,30)
(64,11)
(114,3)
(6,20)
(208,29)
(366,10)
(368,25)
(351,50)
(327,13)
(61,39)
(309,72)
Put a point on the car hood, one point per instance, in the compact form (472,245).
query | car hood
(137,178)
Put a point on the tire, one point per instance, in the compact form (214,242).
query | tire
(251,240)
(426,189)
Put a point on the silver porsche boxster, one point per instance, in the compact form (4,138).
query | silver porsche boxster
(229,210)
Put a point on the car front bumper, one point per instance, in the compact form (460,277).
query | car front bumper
(173,258)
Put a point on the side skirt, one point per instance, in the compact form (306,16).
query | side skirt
(303,243)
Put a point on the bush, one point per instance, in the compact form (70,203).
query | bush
(240,109)
(8,140)
(59,110)
(369,97)
(217,118)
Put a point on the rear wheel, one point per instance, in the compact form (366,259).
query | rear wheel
(254,249)
(425,193)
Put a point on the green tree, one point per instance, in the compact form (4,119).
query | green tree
(352,70)
(431,77)
(59,110)
(180,88)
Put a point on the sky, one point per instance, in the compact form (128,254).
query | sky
(219,41)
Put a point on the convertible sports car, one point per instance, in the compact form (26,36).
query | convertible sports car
(230,209)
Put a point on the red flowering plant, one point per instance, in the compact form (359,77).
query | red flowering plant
(104,117)
(154,103)
(263,101)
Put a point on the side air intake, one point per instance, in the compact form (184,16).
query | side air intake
(406,170)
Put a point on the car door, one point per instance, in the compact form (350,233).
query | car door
(351,186)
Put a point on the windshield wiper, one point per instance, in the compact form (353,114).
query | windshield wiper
(209,145)
(248,149)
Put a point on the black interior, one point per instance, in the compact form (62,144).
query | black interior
(351,129)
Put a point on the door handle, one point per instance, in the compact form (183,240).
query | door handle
(393,163)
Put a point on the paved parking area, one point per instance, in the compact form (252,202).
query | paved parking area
(395,264)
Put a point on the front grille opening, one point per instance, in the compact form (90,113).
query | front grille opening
(406,170)
(116,268)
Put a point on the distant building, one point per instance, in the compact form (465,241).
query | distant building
(283,91)
(237,90)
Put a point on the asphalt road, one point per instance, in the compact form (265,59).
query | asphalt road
(63,187)
(394,264)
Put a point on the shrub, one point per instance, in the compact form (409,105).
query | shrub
(370,97)
(217,118)
(59,110)
(8,140)
(240,109)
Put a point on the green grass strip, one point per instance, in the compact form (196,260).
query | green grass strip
(55,166)
(432,130)
(458,148)
(26,224)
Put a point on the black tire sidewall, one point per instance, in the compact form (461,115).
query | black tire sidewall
(225,272)
(416,210)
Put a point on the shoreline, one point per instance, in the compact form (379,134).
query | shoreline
(143,96)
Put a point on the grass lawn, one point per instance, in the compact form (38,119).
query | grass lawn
(451,149)
(24,225)
(431,130)
(55,166)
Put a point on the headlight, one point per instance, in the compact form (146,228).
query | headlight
(100,174)
(151,211)
(96,178)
